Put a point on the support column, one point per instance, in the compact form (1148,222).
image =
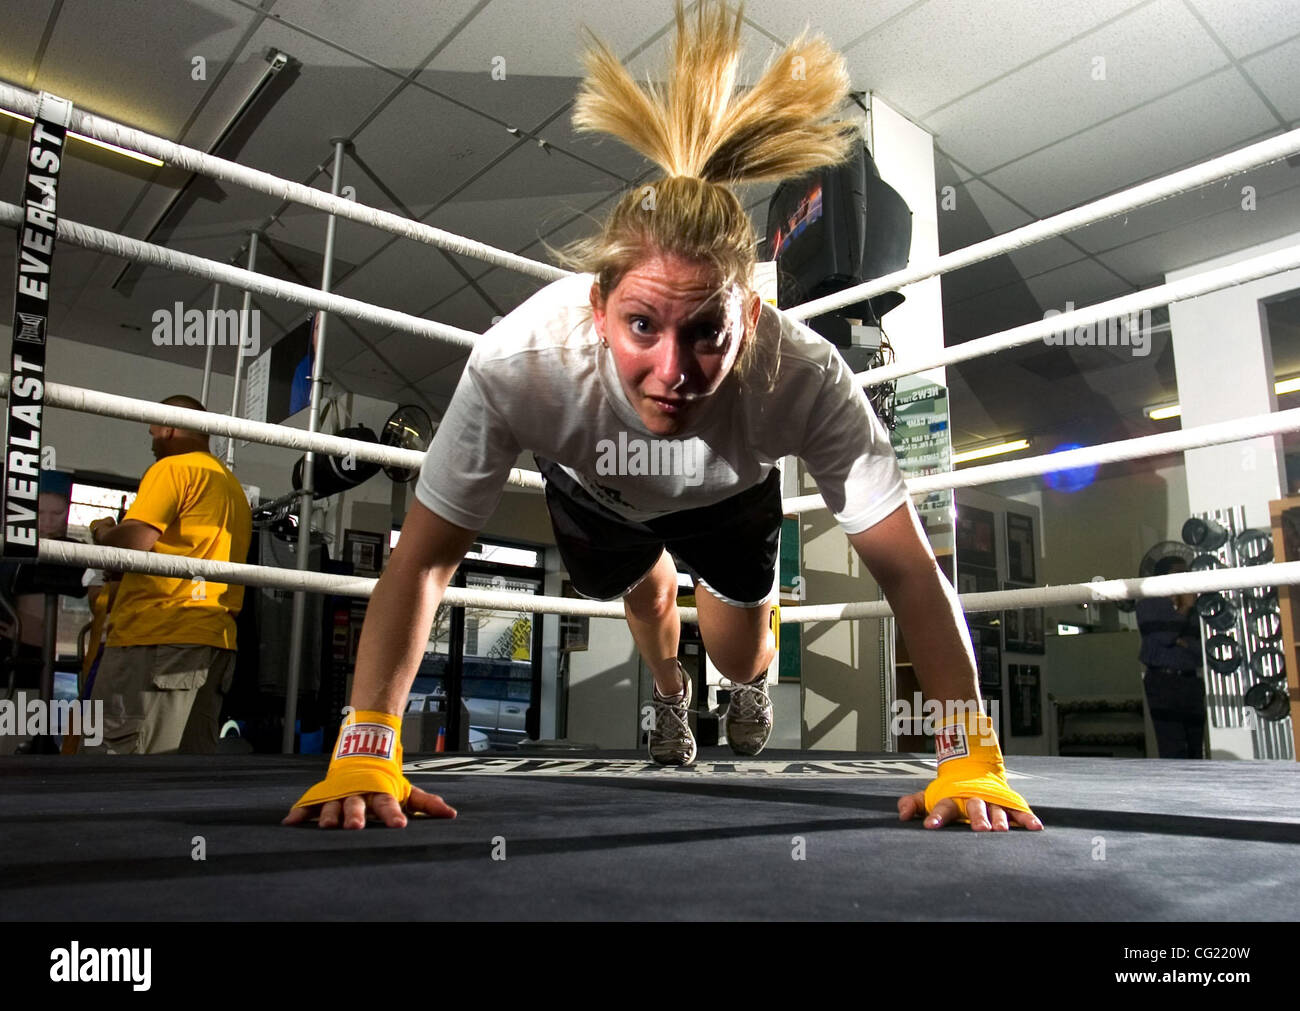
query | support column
(1223,361)
(847,666)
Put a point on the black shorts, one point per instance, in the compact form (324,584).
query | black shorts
(730,546)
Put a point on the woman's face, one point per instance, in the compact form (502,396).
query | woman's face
(673,339)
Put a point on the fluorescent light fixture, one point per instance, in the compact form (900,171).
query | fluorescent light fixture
(1162,412)
(985,451)
(91,140)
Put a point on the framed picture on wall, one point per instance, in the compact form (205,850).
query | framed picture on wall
(973,580)
(1022,628)
(1026,704)
(365,550)
(988,656)
(1020,548)
(975,538)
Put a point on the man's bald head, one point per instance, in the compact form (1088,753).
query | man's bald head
(168,440)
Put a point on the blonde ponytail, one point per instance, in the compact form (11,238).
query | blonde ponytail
(707,136)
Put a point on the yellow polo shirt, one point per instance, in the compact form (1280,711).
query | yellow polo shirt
(200,511)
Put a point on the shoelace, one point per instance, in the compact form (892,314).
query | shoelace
(677,711)
(747,702)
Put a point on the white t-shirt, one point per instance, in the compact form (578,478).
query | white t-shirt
(541,381)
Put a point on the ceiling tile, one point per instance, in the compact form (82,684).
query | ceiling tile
(528,38)
(398,34)
(1145,143)
(403,278)
(24,26)
(1083,283)
(1147,260)
(1191,210)
(938,52)
(415,357)
(423,148)
(1147,54)
(841,21)
(1251,26)
(331,95)
(1277,72)
(145,77)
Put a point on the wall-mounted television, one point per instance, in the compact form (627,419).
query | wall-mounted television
(837,227)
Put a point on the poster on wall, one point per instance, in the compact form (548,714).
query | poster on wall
(1022,628)
(923,446)
(973,580)
(1020,548)
(1026,706)
(988,656)
(975,538)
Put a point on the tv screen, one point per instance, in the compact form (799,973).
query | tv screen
(837,227)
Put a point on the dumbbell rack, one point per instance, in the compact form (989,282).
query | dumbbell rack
(1272,739)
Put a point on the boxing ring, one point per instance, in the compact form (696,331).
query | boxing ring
(547,835)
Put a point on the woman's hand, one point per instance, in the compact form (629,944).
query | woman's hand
(351,812)
(983,817)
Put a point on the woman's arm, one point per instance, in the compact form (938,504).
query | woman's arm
(392,644)
(924,604)
(931,621)
(401,609)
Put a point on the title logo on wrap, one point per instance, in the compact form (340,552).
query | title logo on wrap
(366,740)
(950,742)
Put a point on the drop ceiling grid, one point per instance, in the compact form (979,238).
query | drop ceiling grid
(1055,99)
(397,35)
(939,52)
(1248,27)
(543,38)
(1141,144)
(841,21)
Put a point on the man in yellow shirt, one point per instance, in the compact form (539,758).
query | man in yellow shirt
(170,656)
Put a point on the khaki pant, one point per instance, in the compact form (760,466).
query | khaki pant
(162,699)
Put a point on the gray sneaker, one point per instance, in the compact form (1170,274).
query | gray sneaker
(671,740)
(749,717)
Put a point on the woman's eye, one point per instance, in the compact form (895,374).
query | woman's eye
(639,325)
(711,337)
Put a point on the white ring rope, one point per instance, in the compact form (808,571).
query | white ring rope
(95,556)
(101,241)
(1214,434)
(1173,291)
(111,405)
(180,567)
(1247,577)
(129,409)
(1262,153)
(22,101)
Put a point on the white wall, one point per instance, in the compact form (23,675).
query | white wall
(984,498)
(904,154)
(1224,362)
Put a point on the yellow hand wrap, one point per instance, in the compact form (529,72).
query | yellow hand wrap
(367,759)
(970,765)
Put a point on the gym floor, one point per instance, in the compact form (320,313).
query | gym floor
(783,836)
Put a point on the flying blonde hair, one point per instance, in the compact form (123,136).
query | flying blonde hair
(707,136)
